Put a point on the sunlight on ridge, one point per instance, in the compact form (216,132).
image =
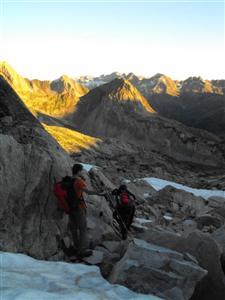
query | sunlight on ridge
(56,98)
(71,141)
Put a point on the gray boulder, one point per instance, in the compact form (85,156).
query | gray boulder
(217,202)
(208,220)
(147,268)
(204,249)
(219,237)
(179,202)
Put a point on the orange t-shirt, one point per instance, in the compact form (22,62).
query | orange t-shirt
(79,186)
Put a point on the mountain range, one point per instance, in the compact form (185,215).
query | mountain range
(194,102)
(159,84)
(118,110)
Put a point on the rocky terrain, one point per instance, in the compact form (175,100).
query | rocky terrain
(175,249)
(129,121)
(199,110)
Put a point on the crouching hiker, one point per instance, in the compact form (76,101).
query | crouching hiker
(72,190)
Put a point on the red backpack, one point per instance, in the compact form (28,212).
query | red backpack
(65,194)
(124,198)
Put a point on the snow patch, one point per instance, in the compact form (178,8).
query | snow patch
(142,221)
(88,167)
(25,278)
(159,184)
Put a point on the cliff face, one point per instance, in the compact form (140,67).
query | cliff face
(30,159)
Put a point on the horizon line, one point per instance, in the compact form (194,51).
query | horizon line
(105,74)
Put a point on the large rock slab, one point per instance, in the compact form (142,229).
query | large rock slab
(30,161)
(217,202)
(180,201)
(147,268)
(219,237)
(204,249)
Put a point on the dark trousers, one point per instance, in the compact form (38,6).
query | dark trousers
(127,214)
(78,228)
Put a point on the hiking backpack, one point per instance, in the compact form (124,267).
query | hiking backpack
(65,193)
(124,198)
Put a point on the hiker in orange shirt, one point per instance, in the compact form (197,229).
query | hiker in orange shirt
(78,213)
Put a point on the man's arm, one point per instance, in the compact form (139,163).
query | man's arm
(93,192)
(132,195)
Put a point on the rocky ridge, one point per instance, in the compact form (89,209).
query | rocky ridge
(132,123)
(159,84)
(56,98)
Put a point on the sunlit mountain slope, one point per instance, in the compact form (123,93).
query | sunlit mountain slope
(70,140)
(57,98)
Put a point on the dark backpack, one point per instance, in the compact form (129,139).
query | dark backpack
(65,193)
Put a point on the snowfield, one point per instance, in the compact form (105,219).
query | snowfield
(25,278)
(159,184)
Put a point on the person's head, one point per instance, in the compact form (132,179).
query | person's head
(77,168)
(122,188)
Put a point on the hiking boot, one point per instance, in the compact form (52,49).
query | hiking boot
(84,253)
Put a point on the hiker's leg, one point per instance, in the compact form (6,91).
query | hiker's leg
(115,216)
(127,220)
(131,216)
(74,228)
(82,230)
(122,222)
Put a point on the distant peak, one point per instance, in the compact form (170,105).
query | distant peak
(195,78)
(115,73)
(158,75)
(3,63)
(6,66)
(117,83)
(67,84)
(64,77)
(122,90)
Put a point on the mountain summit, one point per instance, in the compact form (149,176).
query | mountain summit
(121,90)
(55,98)
(110,107)
(13,78)
(198,85)
(69,85)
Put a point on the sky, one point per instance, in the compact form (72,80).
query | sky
(46,39)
